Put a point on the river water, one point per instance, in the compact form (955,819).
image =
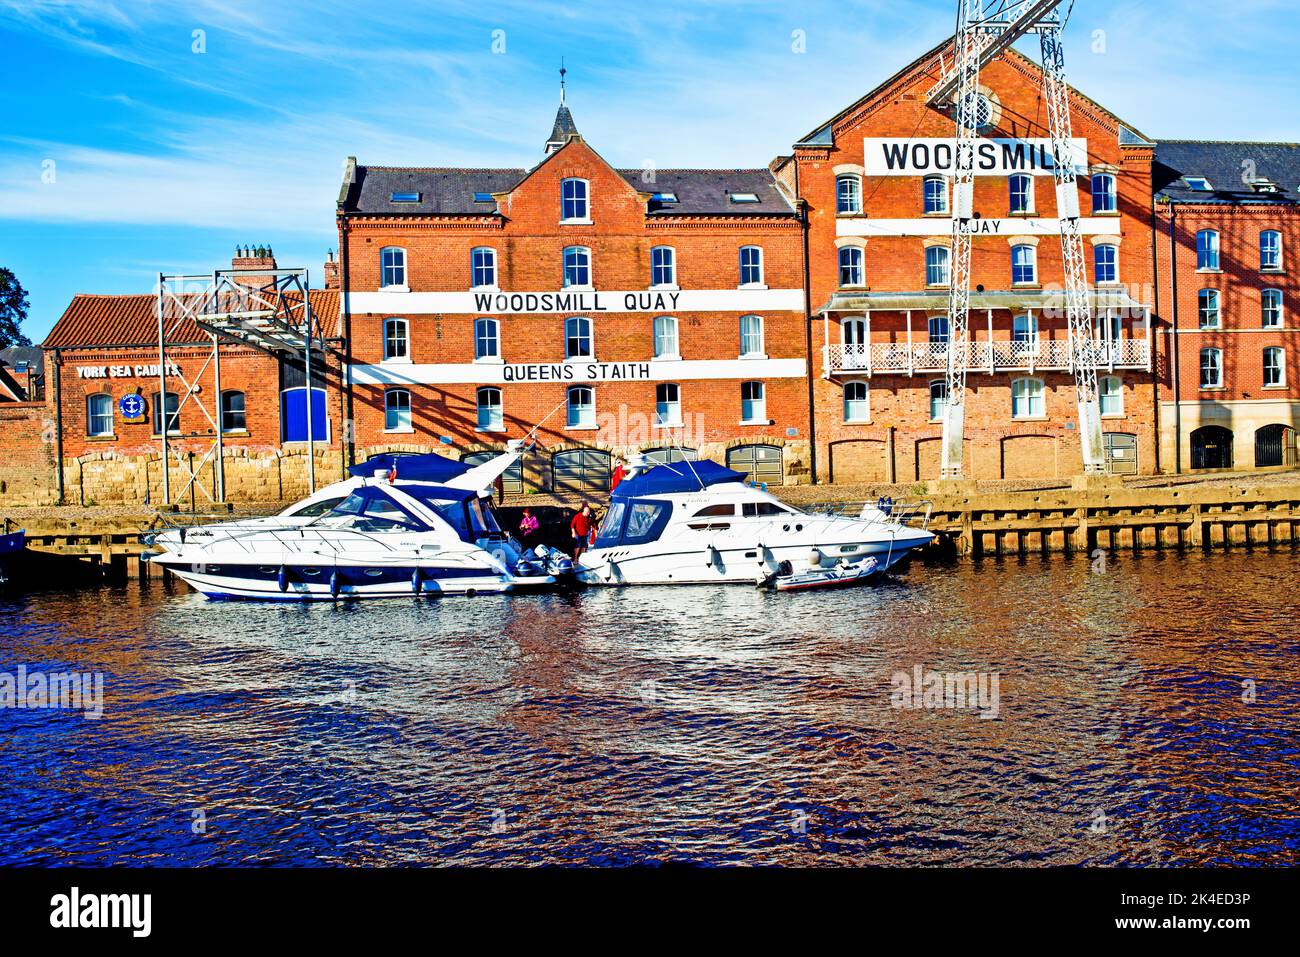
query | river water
(1145,714)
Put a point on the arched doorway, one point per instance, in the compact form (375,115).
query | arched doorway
(580,470)
(1212,447)
(761,463)
(1274,445)
(512,479)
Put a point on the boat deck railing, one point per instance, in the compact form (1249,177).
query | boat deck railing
(290,535)
(913,514)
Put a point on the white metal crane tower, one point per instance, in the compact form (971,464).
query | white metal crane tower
(984,31)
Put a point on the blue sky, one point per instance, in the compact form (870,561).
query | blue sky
(165,158)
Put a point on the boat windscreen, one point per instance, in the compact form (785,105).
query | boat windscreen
(377,511)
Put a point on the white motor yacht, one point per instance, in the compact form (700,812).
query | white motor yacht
(694,522)
(395,532)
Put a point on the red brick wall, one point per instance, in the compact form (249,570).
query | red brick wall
(1240,283)
(530,246)
(898,264)
(27,467)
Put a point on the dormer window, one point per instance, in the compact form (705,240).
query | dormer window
(405,197)
(1198,183)
(573,201)
(483,198)
(664,198)
(744,197)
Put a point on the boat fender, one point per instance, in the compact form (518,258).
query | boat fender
(336,585)
(713,556)
(815,557)
(415,580)
(182,535)
(282,579)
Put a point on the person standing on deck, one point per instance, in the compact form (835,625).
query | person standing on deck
(581,527)
(619,474)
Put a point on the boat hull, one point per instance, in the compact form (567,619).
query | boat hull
(228,580)
(738,565)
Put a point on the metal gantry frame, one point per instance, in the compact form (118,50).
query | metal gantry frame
(268,309)
(982,33)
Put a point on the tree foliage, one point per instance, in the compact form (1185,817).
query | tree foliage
(13,310)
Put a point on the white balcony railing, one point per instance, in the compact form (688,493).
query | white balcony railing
(899,358)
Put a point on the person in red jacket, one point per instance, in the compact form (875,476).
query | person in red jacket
(582,525)
(620,473)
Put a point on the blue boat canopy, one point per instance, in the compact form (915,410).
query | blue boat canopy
(426,467)
(676,477)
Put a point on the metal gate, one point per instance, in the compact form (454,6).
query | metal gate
(512,479)
(580,470)
(761,463)
(1274,445)
(1121,453)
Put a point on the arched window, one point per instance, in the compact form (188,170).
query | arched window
(1207,308)
(233,418)
(753,403)
(173,403)
(1270,250)
(392,267)
(1105,263)
(1024,328)
(1021,189)
(573,201)
(1274,366)
(490,416)
(665,333)
(1027,399)
(1211,368)
(1270,309)
(577,267)
(581,400)
(668,404)
(934,193)
(1110,395)
(1207,249)
(99,414)
(663,266)
(396,341)
(1103,193)
(936,266)
(848,194)
(483,268)
(487,339)
(1024,265)
(751,336)
(1211,447)
(856,408)
(850,266)
(577,338)
(938,399)
(397,410)
(938,328)
(751,265)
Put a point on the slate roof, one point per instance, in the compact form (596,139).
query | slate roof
(131,320)
(32,355)
(564,125)
(448,191)
(1222,163)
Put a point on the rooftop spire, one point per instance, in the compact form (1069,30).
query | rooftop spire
(564,127)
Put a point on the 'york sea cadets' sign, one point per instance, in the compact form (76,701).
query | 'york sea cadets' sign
(996,157)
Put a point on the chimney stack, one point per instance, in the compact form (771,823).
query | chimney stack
(331,271)
(252,258)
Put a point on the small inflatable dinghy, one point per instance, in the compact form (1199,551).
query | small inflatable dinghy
(838,576)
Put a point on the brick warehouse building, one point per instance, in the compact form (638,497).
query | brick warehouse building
(874,181)
(102,368)
(1227,216)
(614,310)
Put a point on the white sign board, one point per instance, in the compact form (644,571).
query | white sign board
(892,156)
